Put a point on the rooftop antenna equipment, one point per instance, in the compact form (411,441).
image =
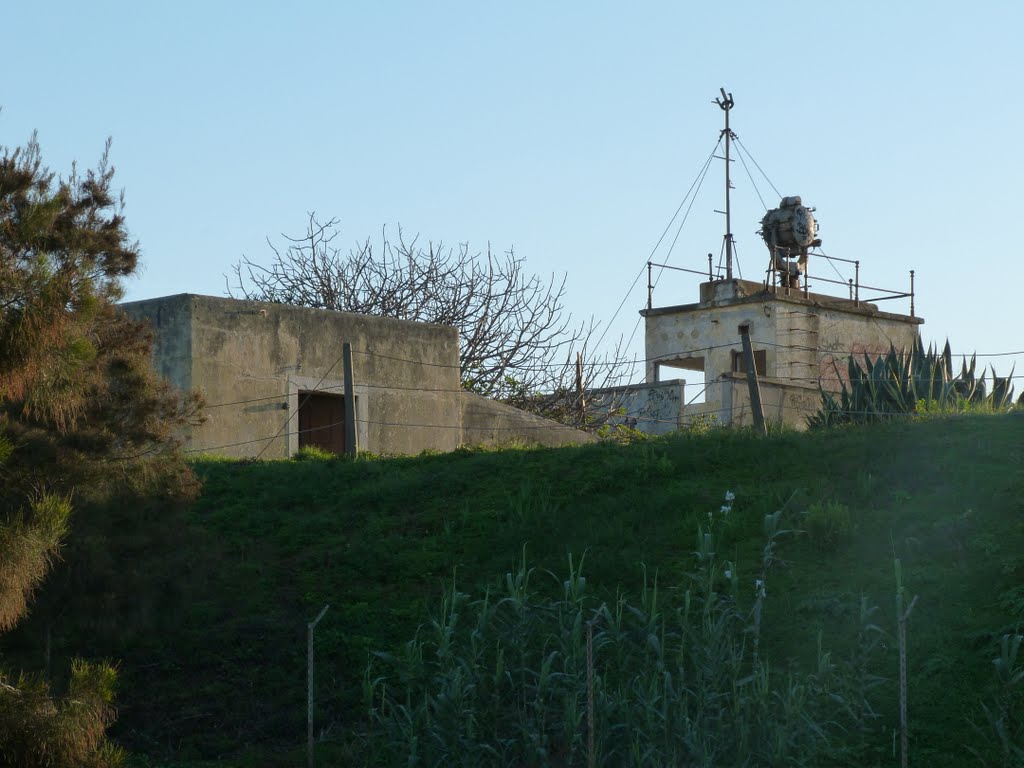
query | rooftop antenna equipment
(726,103)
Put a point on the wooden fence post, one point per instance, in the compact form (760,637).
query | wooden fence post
(581,402)
(752,383)
(351,448)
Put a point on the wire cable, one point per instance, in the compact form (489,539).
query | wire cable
(752,182)
(757,165)
(662,358)
(699,177)
(625,390)
(639,415)
(699,182)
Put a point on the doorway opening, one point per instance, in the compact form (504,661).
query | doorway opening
(322,421)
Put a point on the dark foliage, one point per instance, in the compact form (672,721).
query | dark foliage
(81,414)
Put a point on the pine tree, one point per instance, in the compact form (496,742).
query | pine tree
(81,413)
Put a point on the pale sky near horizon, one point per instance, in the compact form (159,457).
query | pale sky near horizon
(569,132)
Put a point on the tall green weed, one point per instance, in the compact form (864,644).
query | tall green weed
(1003,730)
(537,671)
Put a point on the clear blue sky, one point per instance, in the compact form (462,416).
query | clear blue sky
(568,131)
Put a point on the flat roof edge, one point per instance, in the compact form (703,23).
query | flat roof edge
(838,305)
(228,300)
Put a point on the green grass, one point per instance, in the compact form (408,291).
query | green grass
(206,606)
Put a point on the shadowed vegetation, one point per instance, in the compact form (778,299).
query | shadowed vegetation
(206,605)
(81,414)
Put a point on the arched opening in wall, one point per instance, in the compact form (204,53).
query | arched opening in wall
(322,421)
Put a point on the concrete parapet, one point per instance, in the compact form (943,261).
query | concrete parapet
(488,422)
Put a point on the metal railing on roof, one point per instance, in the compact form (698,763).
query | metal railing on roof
(853,284)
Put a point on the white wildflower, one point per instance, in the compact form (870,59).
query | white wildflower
(730,496)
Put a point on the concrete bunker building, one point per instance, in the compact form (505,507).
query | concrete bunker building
(800,341)
(272,377)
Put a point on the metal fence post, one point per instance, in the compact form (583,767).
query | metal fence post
(309,683)
(911,293)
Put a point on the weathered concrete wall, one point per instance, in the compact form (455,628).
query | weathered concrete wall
(652,408)
(171,322)
(783,402)
(488,422)
(843,334)
(251,360)
(706,337)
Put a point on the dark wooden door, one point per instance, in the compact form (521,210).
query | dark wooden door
(322,422)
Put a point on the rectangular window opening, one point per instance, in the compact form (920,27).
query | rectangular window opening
(739,363)
(694,390)
(686,363)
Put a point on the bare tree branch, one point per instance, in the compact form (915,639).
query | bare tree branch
(517,342)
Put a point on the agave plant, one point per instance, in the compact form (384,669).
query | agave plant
(900,383)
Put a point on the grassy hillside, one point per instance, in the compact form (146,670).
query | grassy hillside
(206,607)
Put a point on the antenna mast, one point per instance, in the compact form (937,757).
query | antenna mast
(726,103)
